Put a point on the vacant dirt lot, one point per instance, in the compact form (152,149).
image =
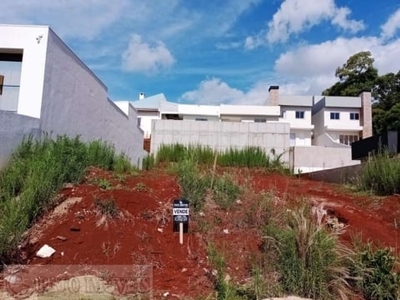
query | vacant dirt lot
(140,233)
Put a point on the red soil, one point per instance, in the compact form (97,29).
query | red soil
(143,234)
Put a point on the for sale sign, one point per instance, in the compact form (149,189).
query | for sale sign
(180,214)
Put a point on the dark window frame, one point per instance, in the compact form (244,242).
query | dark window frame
(335,116)
(300,114)
(354,116)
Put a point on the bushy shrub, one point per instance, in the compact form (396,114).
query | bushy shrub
(376,269)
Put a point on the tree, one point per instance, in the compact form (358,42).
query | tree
(357,75)
(387,90)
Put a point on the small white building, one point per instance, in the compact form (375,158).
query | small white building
(340,121)
(45,87)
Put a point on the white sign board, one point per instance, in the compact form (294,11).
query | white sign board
(180,211)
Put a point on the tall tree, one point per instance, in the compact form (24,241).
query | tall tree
(356,75)
(386,112)
(387,90)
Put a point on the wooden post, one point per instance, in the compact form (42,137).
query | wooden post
(181,233)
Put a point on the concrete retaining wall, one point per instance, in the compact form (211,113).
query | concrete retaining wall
(315,158)
(222,135)
(75,102)
(13,128)
(337,175)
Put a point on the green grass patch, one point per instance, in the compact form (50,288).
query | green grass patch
(380,175)
(249,157)
(36,170)
(376,269)
(225,191)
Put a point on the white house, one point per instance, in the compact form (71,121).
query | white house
(315,135)
(45,87)
(340,121)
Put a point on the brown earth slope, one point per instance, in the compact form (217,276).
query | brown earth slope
(141,233)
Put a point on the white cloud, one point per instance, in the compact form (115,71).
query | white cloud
(72,18)
(296,16)
(341,19)
(390,28)
(253,42)
(213,91)
(321,58)
(143,57)
(311,68)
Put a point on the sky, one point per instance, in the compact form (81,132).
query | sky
(219,51)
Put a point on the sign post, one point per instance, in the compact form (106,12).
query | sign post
(180,214)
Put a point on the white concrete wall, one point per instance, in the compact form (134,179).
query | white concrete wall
(249,110)
(222,135)
(75,102)
(335,135)
(193,118)
(145,121)
(325,140)
(302,137)
(13,128)
(33,41)
(289,116)
(309,159)
(199,110)
(318,121)
(344,123)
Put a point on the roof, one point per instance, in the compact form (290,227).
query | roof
(289,100)
(335,101)
(152,102)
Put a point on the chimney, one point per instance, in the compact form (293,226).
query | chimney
(366,114)
(273,98)
(142,95)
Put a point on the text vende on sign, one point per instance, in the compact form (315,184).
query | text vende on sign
(180,211)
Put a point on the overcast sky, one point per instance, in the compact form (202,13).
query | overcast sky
(220,51)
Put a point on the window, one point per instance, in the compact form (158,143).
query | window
(200,119)
(299,114)
(348,139)
(139,121)
(260,120)
(1,84)
(354,116)
(335,116)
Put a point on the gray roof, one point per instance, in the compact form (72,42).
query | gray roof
(335,101)
(152,102)
(289,100)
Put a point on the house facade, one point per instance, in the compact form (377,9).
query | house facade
(45,87)
(340,121)
(318,126)
(314,120)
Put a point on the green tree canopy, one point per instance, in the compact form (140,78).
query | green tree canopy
(358,74)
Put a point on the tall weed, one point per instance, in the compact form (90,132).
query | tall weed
(380,174)
(36,170)
(311,261)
